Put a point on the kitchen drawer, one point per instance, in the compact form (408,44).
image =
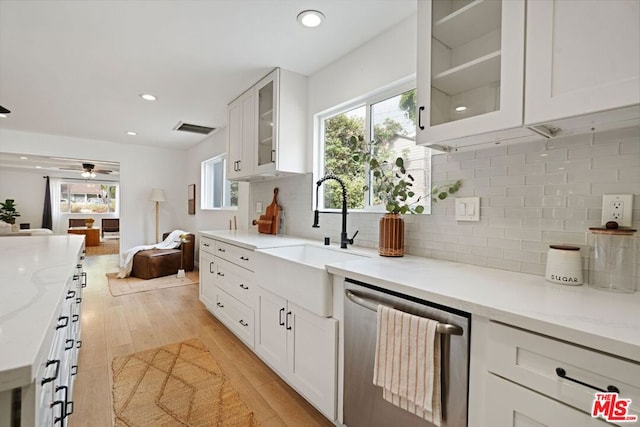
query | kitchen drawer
(236,316)
(235,254)
(207,245)
(532,360)
(511,405)
(237,282)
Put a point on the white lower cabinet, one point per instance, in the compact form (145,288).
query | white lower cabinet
(301,346)
(509,404)
(235,315)
(534,380)
(207,278)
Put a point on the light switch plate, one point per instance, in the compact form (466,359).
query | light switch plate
(618,208)
(467,208)
(258,207)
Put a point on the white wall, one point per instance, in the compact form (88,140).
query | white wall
(141,169)
(29,203)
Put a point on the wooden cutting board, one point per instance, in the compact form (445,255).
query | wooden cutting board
(268,223)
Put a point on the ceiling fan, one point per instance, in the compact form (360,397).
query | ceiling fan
(88,170)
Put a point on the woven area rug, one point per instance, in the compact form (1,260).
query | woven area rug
(106,247)
(131,285)
(175,385)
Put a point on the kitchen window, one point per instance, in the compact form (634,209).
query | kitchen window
(217,192)
(388,119)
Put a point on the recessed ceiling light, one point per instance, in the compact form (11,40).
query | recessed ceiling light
(3,116)
(147,97)
(461,108)
(23,158)
(38,167)
(310,18)
(131,133)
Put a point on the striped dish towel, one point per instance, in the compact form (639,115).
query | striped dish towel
(407,363)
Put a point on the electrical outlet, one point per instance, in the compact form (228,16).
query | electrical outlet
(618,208)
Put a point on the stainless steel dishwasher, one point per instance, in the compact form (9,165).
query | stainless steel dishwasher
(364,405)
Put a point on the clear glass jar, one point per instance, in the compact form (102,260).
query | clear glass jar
(613,260)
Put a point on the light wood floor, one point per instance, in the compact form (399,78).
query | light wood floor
(114,326)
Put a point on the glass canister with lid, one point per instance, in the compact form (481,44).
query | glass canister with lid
(613,260)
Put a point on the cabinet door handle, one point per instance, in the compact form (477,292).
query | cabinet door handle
(280,321)
(243,286)
(243,323)
(75,318)
(70,294)
(273,156)
(211,267)
(288,326)
(74,370)
(563,374)
(84,280)
(78,300)
(59,419)
(239,168)
(63,322)
(55,375)
(68,345)
(79,344)
(220,304)
(420,110)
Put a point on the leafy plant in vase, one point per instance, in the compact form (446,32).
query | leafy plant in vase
(8,212)
(393,186)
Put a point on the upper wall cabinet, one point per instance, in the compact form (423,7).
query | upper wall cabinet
(470,68)
(267,128)
(583,57)
(582,69)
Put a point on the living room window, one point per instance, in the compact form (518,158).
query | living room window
(88,197)
(386,118)
(216,191)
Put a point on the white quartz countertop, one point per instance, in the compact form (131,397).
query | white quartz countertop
(606,321)
(254,240)
(34,271)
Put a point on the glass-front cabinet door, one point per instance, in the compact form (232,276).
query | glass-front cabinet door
(470,68)
(267,120)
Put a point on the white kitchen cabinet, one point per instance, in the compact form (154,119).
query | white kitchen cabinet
(267,128)
(301,346)
(582,57)
(470,69)
(510,405)
(226,286)
(241,136)
(531,379)
(208,272)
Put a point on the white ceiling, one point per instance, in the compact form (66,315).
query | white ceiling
(75,68)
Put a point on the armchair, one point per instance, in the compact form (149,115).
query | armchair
(154,263)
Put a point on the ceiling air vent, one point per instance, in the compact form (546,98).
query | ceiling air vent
(187,127)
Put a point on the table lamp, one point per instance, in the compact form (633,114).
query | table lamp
(157,195)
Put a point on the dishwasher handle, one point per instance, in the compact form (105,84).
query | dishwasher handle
(442,328)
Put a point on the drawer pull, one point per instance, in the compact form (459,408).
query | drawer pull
(68,345)
(243,286)
(243,323)
(244,258)
(220,274)
(563,374)
(220,305)
(70,294)
(206,244)
(221,250)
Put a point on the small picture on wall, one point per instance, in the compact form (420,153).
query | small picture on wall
(191,197)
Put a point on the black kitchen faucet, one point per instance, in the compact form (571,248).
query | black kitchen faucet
(344,240)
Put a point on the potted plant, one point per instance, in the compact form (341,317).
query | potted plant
(8,211)
(393,186)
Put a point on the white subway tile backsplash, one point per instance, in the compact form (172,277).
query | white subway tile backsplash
(528,201)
